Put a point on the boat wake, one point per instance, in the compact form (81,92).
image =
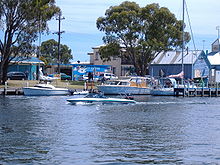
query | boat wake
(171,102)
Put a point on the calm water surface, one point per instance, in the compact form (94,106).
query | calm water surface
(157,130)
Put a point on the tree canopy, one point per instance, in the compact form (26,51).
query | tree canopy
(49,52)
(20,22)
(139,33)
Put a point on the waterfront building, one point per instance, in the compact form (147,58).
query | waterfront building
(115,62)
(216,45)
(195,64)
(214,59)
(27,65)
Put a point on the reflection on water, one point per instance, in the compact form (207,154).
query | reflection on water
(156,130)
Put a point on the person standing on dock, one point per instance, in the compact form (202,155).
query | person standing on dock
(90,80)
(26,74)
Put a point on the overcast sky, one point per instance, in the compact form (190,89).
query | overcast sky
(81,33)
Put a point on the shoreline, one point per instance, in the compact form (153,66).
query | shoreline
(14,87)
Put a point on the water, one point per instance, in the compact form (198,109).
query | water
(157,130)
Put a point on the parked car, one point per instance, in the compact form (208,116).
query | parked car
(64,76)
(16,76)
(107,76)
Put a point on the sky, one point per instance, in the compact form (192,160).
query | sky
(81,33)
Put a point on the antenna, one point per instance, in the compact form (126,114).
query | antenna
(59,34)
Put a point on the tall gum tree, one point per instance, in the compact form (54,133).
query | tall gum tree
(139,34)
(20,23)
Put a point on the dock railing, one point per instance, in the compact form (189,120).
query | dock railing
(188,89)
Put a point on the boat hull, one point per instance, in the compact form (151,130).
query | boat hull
(163,92)
(116,90)
(100,100)
(32,91)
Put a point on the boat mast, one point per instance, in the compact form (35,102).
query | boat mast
(183,45)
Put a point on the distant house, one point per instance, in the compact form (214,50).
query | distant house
(195,64)
(216,45)
(26,65)
(119,66)
(115,62)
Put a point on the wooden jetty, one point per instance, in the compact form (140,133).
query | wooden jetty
(197,92)
(11,91)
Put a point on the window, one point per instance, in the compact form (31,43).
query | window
(114,70)
(97,56)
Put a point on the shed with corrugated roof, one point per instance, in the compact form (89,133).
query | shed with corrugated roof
(195,64)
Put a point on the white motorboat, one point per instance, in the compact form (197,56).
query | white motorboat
(97,98)
(45,90)
(162,92)
(133,85)
(165,87)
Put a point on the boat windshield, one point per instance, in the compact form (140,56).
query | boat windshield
(112,82)
(117,83)
(44,87)
(123,83)
(95,95)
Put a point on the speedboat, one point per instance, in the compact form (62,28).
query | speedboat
(133,85)
(45,90)
(99,98)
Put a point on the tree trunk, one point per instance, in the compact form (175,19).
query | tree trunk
(4,70)
(1,71)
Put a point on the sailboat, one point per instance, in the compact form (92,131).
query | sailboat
(166,85)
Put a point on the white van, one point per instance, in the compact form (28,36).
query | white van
(108,76)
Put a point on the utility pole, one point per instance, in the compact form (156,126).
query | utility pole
(59,35)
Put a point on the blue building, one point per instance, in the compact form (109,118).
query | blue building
(27,65)
(195,64)
(78,70)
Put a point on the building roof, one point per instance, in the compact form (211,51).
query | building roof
(216,42)
(29,60)
(175,57)
(214,58)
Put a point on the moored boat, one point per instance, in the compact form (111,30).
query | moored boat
(45,90)
(133,85)
(165,87)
